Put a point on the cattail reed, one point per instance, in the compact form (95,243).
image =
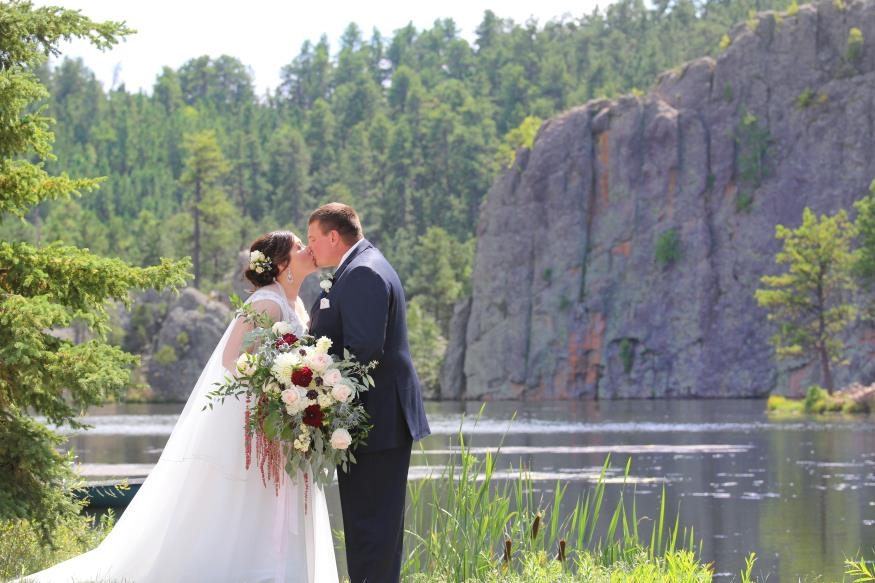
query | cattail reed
(468,520)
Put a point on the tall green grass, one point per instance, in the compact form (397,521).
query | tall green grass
(860,570)
(467,526)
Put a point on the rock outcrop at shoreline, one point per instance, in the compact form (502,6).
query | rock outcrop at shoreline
(176,334)
(186,330)
(619,257)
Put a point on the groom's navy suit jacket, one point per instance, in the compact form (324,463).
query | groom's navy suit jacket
(366,313)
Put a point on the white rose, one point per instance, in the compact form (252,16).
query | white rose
(272,387)
(296,407)
(290,396)
(282,327)
(295,400)
(341,391)
(283,365)
(318,362)
(246,363)
(341,439)
(331,377)
(323,344)
(325,284)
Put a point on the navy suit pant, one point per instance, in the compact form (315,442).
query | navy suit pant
(372,499)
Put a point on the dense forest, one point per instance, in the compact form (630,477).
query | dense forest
(410,128)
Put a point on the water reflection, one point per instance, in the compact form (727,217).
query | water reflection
(798,492)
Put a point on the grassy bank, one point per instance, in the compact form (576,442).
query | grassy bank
(818,401)
(466,526)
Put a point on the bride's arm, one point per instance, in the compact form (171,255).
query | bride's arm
(301,310)
(242,327)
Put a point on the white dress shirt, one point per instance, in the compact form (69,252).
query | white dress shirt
(349,251)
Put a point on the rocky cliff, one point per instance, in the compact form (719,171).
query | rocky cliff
(619,257)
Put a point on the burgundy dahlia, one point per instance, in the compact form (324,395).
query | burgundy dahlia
(302,376)
(287,339)
(313,416)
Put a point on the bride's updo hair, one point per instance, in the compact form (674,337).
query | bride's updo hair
(274,248)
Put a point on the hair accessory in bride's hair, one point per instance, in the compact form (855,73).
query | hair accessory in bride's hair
(258,262)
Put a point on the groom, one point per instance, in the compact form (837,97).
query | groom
(364,311)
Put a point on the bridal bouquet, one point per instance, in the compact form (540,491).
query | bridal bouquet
(302,409)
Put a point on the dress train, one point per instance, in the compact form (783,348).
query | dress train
(201,516)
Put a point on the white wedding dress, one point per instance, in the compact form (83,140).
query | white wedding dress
(201,516)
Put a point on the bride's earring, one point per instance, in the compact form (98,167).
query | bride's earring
(289,277)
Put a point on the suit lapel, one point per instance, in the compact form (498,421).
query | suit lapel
(316,310)
(358,250)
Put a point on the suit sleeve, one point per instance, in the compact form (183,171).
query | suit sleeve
(365,313)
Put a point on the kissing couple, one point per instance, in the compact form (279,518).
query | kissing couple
(201,515)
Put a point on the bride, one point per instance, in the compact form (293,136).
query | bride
(200,515)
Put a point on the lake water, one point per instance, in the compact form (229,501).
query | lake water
(800,492)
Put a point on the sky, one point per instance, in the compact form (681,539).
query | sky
(267,34)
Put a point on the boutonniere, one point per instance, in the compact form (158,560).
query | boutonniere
(327,282)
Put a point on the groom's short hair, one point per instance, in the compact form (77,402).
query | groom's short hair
(336,216)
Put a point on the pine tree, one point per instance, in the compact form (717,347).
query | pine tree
(46,288)
(865,224)
(204,168)
(809,301)
(288,165)
(440,271)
